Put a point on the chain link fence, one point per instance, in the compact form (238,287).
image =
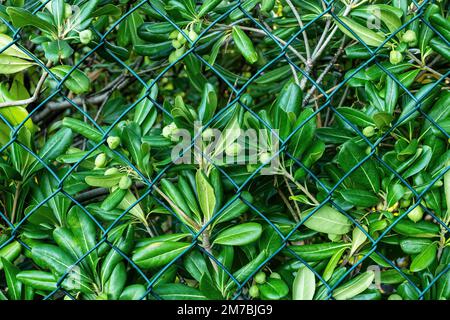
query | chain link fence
(56,98)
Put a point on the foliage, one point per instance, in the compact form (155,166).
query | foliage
(95,94)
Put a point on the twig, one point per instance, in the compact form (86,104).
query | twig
(324,72)
(300,22)
(33,98)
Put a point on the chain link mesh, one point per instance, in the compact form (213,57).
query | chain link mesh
(149,185)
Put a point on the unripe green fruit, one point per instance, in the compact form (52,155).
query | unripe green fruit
(253,292)
(193,35)
(125,183)
(265,157)
(182,40)
(409,36)
(175,55)
(275,275)
(176,44)
(173,34)
(260,277)
(395,57)
(111,171)
(100,160)
(208,134)
(416,214)
(85,36)
(369,131)
(180,36)
(404,203)
(168,130)
(395,297)
(233,149)
(113,142)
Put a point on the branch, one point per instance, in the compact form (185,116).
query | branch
(33,98)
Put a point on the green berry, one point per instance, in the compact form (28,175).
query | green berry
(253,292)
(416,214)
(100,160)
(264,157)
(111,171)
(395,297)
(176,44)
(193,35)
(369,131)
(113,142)
(125,183)
(409,36)
(208,134)
(395,57)
(275,275)
(85,36)
(233,149)
(260,277)
(173,34)
(404,203)
(168,130)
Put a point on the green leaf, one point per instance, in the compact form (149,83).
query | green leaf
(59,262)
(21,18)
(358,239)
(388,15)
(369,37)
(145,109)
(10,252)
(77,81)
(274,289)
(391,95)
(424,259)
(104,181)
(327,220)
(318,251)
(208,103)
(395,192)
(332,264)
(206,196)
(158,254)
(356,116)
(177,291)
(14,286)
(133,292)
(414,245)
(57,50)
(304,285)
(425,154)
(360,198)
(57,7)
(10,64)
(239,235)
(354,286)
(366,174)
(84,230)
(54,147)
(244,45)
(12,50)
(39,280)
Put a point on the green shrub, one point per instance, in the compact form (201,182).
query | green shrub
(347,193)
